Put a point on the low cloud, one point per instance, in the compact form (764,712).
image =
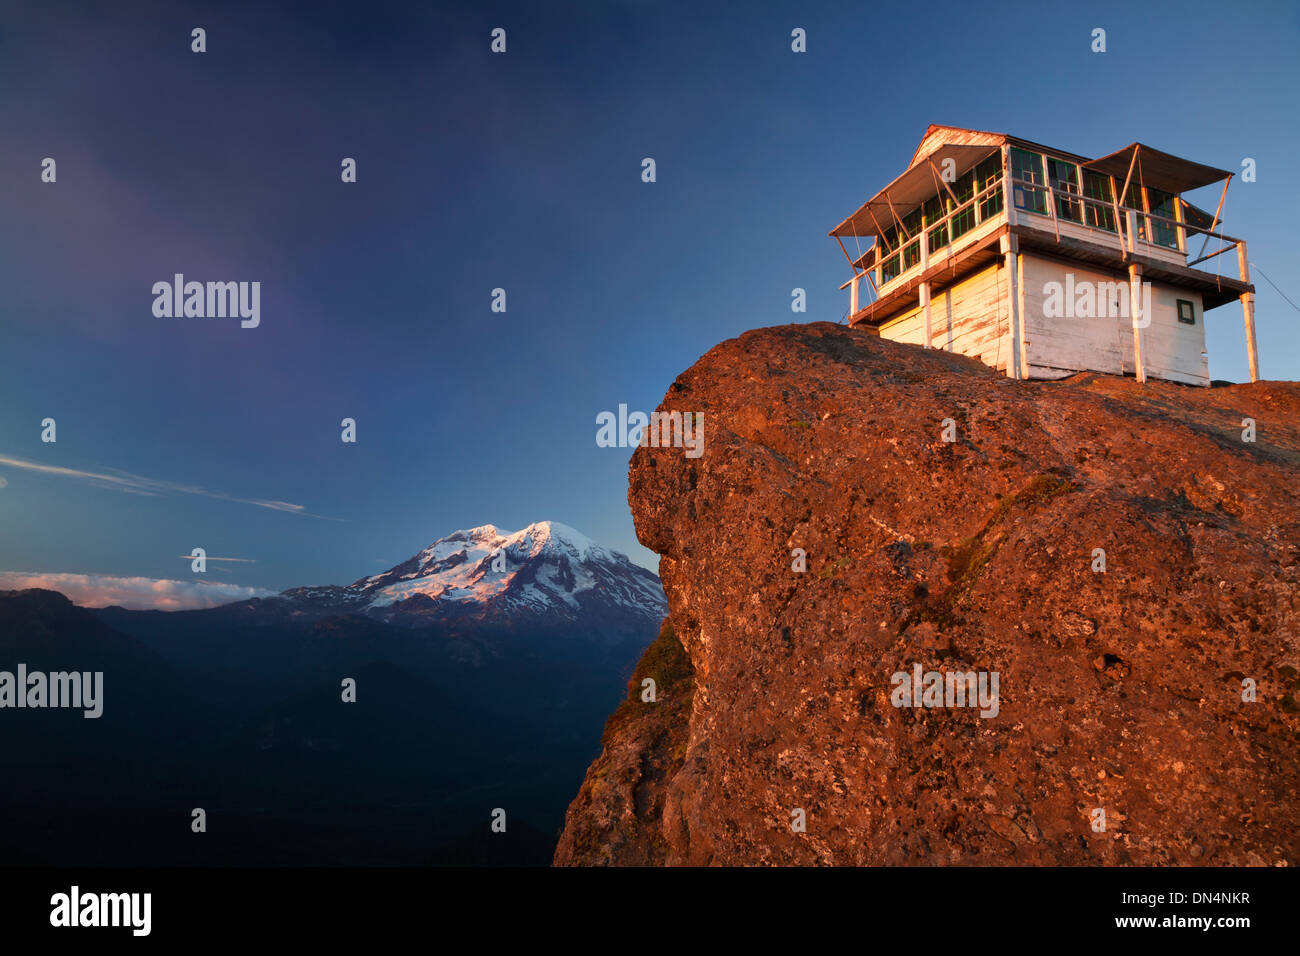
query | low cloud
(138,594)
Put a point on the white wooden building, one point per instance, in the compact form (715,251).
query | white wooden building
(1040,262)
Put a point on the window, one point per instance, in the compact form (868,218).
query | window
(936,209)
(963,220)
(1186,312)
(1133,200)
(911,254)
(988,175)
(912,222)
(1098,214)
(888,254)
(889,270)
(1027,167)
(1160,203)
(964,187)
(1064,177)
(911,227)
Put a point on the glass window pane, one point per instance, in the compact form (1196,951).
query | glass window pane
(1160,203)
(1027,166)
(1064,177)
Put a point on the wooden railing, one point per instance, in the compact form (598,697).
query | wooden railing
(921,239)
(1103,216)
(1139,226)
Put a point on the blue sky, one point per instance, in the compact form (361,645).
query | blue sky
(521,171)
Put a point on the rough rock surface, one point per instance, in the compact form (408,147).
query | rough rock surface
(1120,690)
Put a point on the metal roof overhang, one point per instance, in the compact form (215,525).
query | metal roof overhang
(909,190)
(1159,169)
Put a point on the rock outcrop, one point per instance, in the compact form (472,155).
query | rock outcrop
(1122,691)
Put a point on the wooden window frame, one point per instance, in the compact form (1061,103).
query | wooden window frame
(1020,194)
(1070,209)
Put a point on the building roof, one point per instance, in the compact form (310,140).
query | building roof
(920,182)
(1155,168)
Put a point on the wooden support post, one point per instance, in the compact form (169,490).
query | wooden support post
(1129,178)
(924,291)
(1008,245)
(1008,196)
(853,297)
(1119,219)
(1135,311)
(1248,311)
(1252,355)
(1020,304)
(925,311)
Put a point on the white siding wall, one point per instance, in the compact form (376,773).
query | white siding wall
(969,317)
(1060,346)
(972,318)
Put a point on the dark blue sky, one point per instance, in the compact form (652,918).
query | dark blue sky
(520,171)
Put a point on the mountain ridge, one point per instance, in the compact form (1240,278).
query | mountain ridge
(545,570)
(460,706)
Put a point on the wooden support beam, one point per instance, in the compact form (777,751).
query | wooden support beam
(1216,252)
(880,246)
(924,293)
(1009,248)
(1129,178)
(1222,196)
(846,253)
(1248,312)
(1020,305)
(896,219)
(1008,191)
(924,290)
(939,176)
(1129,222)
(1135,311)
(1119,219)
(1252,350)
(879,228)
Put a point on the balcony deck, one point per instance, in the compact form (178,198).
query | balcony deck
(1067,240)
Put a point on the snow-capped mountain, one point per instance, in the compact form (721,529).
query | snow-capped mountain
(546,573)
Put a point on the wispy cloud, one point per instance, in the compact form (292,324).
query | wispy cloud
(208,557)
(138,484)
(138,594)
